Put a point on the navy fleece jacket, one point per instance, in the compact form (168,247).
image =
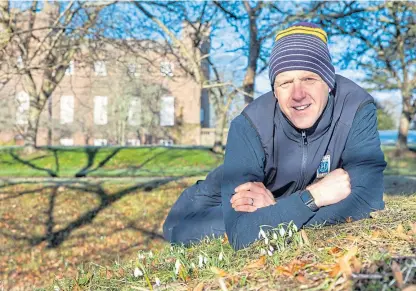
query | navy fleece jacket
(244,159)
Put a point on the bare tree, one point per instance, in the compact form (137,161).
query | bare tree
(194,58)
(381,41)
(42,42)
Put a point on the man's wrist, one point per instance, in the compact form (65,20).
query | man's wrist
(308,200)
(315,195)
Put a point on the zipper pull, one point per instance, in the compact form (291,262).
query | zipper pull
(305,141)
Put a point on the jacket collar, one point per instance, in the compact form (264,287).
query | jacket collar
(316,131)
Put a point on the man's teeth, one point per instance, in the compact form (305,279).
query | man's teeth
(301,107)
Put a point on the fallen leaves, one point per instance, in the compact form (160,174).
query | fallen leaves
(257,264)
(304,237)
(397,273)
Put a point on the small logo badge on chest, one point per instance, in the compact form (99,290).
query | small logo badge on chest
(324,167)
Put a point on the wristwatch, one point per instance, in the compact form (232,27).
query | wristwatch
(308,199)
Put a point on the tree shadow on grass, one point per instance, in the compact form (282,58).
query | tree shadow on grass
(96,159)
(55,237)
(398,185)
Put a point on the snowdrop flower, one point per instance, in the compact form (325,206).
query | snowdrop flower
(140,256)
(262,234)
(220,257)
(269,253)
(271,248)
(282,231)
(295,228)
(56,288)
(262,252)
(157,281)
(193,265)
(290,233)
(177,266)
(200,261)
(274,235)
(150,254)
(137,272)
(266,241)
(205,260)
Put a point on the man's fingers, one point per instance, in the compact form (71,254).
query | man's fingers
(250,186)
(243,201)
(245,208)
(242,194)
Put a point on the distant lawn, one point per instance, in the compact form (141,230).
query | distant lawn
(400,166)
(107,162)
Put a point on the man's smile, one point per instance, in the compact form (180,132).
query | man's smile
(301,107)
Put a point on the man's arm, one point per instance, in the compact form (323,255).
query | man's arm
(364,161)
(244,162)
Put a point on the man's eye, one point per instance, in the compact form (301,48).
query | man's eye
(285,83)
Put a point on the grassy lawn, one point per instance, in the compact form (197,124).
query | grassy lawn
(98,234)
(400,166)
(107,162)
(93,235)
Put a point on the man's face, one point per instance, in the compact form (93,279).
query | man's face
(302,97)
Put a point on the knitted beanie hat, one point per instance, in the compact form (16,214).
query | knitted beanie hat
(303,46)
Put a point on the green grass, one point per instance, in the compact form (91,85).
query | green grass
(309,262)
(107,162)
(400,166)
(135,162)
(88,235)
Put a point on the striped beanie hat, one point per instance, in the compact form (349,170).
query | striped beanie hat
(303,46)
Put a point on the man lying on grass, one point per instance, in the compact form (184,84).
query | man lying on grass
(307,152)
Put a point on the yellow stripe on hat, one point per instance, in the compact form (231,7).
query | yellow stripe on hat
(318,32)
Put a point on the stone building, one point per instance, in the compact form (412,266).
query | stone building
(113,94)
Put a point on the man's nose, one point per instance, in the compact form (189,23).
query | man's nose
(298,92)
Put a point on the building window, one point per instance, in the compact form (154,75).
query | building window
(71,69)
(133,70)
(167,111)
(67,109)
(134,112)
(100,110)
(100,142)
(202,113)
(66,142)
(133,142)
(22,110)
(100,68)
(166,68)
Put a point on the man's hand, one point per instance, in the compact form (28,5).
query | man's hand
(250,196)
(333,188)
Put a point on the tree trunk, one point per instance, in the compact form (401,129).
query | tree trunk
(219,133)
(405,118)
(254,52)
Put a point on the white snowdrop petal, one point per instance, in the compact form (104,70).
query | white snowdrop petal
(274,235)
(177,266)
(270,253)
(262,252)
(282,231)
(157,281)
(290,233)
(137,272)
(200,261)
(266,241)
(220,257)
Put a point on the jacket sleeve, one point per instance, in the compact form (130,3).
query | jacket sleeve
(244,162)
(364,161)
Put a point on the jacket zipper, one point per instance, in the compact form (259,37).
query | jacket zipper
(304,158)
